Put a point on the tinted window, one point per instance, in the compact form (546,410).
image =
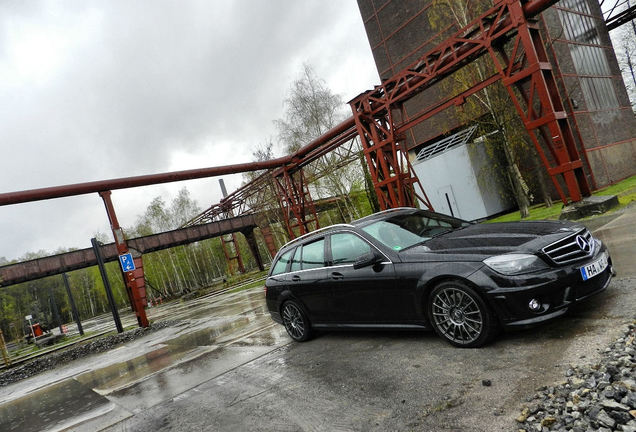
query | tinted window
(281,264)
(295,266)
(313,255)
(346,248)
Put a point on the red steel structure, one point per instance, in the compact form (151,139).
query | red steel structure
(299,211)
(523,68)
(229,243)
(526,74)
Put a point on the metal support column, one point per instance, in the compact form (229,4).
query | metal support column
(269,240)
(529,72)
(393,177)
(251,242)
(109,292)
(133,279)
(228,241)
(71,301)
(295,202)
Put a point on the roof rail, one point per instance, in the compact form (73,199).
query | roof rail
(385,211)
(316,232)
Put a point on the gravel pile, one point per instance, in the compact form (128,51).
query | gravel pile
(601,397)
(95,346)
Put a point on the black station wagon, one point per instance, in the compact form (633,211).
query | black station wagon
(410,268)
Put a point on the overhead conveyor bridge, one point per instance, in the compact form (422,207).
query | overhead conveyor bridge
(57,264)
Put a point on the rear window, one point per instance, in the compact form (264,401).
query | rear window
(281,264)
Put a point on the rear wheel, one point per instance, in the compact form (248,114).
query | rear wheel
(460,315)
(295,321)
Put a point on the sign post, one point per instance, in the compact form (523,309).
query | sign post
(133,277)
(29,318)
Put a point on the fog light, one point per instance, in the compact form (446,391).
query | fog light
(534,305)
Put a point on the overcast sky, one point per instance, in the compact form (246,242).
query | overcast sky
(95,90)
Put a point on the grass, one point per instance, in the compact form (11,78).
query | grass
(625,190)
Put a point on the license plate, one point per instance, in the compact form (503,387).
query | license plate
(594,268)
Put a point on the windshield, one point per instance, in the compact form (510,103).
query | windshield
(401,232)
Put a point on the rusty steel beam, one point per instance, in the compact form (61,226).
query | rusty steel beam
(151,179)
(240,199)
(56,264)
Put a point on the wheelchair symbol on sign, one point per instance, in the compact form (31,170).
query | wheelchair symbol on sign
(127,263)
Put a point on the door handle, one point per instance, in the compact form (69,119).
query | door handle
(295,278)
(337,275)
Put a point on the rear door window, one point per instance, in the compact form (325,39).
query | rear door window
(313,255)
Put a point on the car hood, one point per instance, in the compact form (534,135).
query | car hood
(482,240)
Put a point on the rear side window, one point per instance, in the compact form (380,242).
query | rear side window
(313,255)
(346,248)
(281,264)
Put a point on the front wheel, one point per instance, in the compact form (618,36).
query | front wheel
(460,315)
(295,321)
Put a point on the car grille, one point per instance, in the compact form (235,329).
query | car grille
(568,249)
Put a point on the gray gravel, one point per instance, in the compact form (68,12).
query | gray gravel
(600,397)
(94,346)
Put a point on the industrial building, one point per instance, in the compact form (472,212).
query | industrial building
(584,66)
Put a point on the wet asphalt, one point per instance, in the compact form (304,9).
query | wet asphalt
(228,367)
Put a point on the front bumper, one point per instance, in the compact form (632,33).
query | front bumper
(556,289)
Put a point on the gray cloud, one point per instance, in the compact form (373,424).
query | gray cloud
(94,90)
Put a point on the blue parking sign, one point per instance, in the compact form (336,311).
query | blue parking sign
(127,263)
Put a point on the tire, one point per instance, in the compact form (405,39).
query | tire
(459,315)
(295,321)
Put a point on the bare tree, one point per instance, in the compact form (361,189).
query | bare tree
(312,110)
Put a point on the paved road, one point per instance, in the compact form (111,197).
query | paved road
(229,368)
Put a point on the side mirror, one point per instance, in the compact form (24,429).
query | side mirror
(368,259)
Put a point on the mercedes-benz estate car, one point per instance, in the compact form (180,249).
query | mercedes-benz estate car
(410,268)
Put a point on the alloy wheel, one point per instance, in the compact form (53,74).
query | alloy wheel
(294,321)
(457,316)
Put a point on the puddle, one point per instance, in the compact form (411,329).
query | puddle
(119,375)
(242,331)
(275,335)
(175,381)
(51,407)
(211,335)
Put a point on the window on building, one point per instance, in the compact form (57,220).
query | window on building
(590,62)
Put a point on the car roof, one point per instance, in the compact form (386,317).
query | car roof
(385,214)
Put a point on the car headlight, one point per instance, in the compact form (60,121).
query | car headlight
(513,264)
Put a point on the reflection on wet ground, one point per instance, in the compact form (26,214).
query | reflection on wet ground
(51,407)
(218,333)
